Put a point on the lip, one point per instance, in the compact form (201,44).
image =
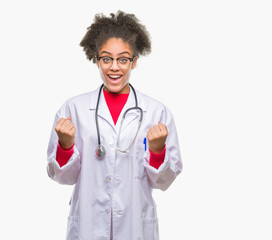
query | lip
(115,80)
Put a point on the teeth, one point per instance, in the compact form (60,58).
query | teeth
(114,76)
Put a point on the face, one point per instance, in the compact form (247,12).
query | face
(115,74)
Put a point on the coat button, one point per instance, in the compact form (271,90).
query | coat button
(107,211)
(120,212)
(117,180)
(108,179)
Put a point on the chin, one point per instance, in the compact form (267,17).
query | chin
(113,89)
(116,88)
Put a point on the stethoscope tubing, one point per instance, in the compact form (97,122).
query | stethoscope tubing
(96,115)
(100,150)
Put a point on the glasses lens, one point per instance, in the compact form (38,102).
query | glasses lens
(106,60)
(123,62)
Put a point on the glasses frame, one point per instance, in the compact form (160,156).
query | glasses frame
(130,59)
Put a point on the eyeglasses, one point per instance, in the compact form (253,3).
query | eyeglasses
(121,61)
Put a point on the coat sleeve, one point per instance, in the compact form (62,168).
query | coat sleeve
(163,177)
(68,173)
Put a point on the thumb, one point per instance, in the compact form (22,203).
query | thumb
(160,124)
(162,127)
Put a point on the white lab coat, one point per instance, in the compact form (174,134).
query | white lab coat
(121,183)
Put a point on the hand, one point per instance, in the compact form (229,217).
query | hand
(66,132)
(156,137)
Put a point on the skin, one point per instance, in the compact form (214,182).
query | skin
(114,47)
(66,132)
(156,137)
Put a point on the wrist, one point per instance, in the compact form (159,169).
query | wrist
(156,150)
(66,147)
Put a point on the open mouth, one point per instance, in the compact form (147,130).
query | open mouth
(114,77)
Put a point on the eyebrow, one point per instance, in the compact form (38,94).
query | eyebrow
(118,53)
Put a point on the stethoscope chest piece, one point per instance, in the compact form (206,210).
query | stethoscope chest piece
(100,152)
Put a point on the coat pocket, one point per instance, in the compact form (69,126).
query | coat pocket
(72,228)
(139,169)
(150,229)
(142,170)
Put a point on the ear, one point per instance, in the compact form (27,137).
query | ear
(134,63)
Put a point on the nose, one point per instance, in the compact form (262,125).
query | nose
(114,65)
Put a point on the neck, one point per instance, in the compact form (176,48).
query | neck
(124,90)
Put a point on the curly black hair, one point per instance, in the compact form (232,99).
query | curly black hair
(119,25)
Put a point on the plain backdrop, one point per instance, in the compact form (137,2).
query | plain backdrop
(210,64)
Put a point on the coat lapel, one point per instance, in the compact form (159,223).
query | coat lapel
(131,115)
(104,113)
(103,110)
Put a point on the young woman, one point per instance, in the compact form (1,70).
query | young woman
(115,144)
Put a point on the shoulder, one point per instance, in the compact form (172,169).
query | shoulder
(145,99)
(152,105)
(80,99)
(83,101)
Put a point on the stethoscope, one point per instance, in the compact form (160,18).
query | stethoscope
(100,151)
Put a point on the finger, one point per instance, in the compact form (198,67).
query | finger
(149,135)
(73,131)
(61,121)
(161,126)
(59,124)
(70,126)
(157,129)
(152,132)
(66,123)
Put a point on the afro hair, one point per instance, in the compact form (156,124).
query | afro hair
(119,25)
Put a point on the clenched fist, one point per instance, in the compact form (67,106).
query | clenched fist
(156,137)
(66,132)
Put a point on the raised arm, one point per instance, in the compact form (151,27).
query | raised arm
(63,132)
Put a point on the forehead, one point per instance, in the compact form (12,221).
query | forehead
(116,46)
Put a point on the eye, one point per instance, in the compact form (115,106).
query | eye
(106,59)
(123,60)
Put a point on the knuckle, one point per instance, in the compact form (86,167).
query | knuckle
(63,130)
(71,133)
(150,138)
(68,133)
(58,129)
